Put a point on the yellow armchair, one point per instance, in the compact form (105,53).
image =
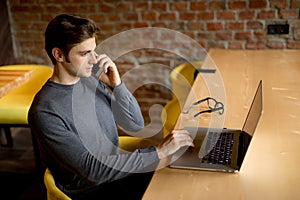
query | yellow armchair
(53,192)
(182,79)
(129,143)
(170,115)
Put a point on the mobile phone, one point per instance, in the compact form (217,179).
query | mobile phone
(97,70)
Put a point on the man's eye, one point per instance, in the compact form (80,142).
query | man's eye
(84,54)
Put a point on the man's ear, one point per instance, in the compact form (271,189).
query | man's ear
(58,54)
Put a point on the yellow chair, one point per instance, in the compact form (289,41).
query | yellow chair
(53,192)
(129,143)
(170,115)
(15,105)
(182,79)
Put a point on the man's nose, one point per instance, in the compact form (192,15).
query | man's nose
(93,57)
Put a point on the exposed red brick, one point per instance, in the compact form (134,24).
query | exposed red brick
(106,7)
(179,6)
(237,4)
(243,36)
(289,14)
(167,16)
(256,45)
(205,35)
(20,8)
(165,36)
(260,35)
(254,25)
(53,8)
(215,44)
(216,5)
(159,6)
(113,17)
(121,26)
(296,33)
(271,14)
(131,17)
(203,43)
(214,26)
(159,24)
(31,17)
(141,6)
(247,15)
(46,17)
(235,26)
(205,15)
(195,26)
(27,1)
(149,16)
(278,4)
(275,44)
(124,7)
(106,27)
(258,3)
(295,4)
(293,44)
(98,17)
(224,35)
(38,8)
(191,34)
(194,6)
(236,45)
(226,15)
(176,25)
(140,24)
(70,9)
(86,9)
(187,16)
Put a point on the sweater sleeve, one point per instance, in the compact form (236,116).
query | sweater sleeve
(126,109)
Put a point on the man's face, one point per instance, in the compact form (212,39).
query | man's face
(82,58)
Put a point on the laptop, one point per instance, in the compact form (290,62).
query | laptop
(220,149)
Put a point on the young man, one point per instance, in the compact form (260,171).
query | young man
(74,116)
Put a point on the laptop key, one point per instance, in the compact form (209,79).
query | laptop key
(220,146)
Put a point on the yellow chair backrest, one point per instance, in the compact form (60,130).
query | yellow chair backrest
(182,79)
(53,192)
(169,116)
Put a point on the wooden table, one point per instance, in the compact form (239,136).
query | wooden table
(271,166)
(11,79)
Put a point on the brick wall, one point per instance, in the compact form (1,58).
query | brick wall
(236,24)
(6,51)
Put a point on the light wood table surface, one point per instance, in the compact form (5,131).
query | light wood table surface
(271,167)
(11,79)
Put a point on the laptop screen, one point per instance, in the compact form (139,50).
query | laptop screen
(255,111)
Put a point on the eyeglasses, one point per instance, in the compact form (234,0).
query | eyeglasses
(212,103)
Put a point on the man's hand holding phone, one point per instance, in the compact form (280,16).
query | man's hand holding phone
(107,72)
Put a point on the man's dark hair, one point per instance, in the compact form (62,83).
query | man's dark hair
(65,31)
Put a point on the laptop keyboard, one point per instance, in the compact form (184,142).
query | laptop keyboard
(220,146)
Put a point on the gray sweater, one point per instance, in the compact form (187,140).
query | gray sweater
(75,126)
